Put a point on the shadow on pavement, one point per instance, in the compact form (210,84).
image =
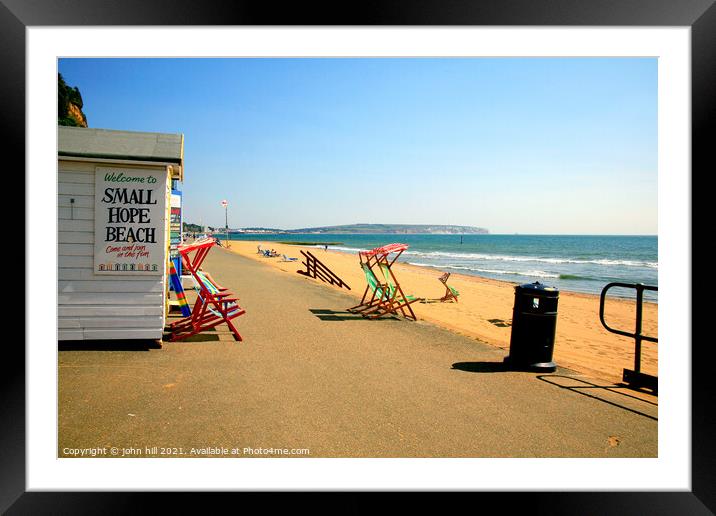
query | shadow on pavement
(342,315)
(481,367)
(108,345)
(199,337)
(614,395)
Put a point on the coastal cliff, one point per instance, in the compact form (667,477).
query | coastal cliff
(365,229)
(69,105)
(430,229)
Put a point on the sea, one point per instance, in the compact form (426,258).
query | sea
(575,263)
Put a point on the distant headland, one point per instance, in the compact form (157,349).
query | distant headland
(361,229)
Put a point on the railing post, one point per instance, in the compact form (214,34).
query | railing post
(635,376)
(637,331)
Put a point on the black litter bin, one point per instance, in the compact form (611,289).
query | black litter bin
(534,321)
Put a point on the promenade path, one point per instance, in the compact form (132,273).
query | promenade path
(310,375)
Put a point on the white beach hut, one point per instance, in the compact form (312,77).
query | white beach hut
(114,190)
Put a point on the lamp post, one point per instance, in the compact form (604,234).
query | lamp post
(225,204)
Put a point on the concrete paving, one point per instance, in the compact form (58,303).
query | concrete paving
(311,376)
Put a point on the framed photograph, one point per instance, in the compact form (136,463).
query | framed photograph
(673,44)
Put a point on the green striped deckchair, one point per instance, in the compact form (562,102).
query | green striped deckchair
(395,299)
(387,296)
(391,286)
(377,290)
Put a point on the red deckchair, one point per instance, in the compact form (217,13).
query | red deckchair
(214,304)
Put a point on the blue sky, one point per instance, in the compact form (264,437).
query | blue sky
(515,145)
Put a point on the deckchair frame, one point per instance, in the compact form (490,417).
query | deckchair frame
(396,298)
(450,293)
(214,304)
(316,269)
(377,289)
(391,297)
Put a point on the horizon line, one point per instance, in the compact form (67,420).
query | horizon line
(489,233)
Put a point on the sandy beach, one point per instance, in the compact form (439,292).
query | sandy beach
(484,310)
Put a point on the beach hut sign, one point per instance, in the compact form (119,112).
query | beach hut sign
(130,205)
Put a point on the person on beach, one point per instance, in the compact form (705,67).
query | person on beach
(325,247)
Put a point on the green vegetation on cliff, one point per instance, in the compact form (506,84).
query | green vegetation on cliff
(196,228)
(69,105)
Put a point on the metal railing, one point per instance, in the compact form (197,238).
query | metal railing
(633,377)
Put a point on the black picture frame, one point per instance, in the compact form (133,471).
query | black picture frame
(700,15)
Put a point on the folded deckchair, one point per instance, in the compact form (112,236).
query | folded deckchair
(214,304)
(450,292)
(288,259)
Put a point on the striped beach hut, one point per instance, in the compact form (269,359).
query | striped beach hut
(115,195)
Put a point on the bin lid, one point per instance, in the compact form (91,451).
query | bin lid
(537,289)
